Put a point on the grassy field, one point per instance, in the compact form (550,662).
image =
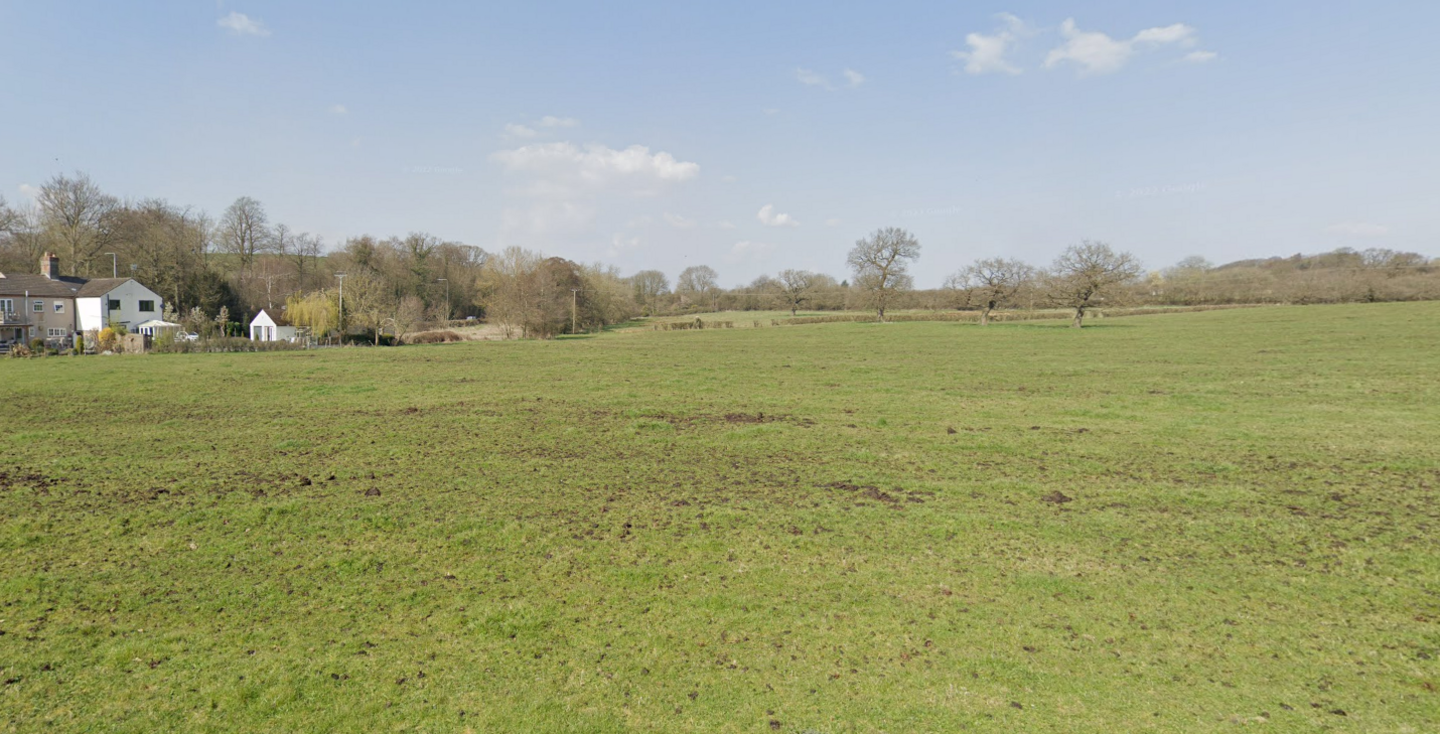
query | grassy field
(1169,523)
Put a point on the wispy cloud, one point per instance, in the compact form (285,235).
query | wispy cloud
(832,222)
(553,121)
(241,24)
(1098,53)
(561,188)
(747,250)
(619,245)
(812,79)
(987,54)
(1358,229)
(339,109)
(597,164)
(679,222)
(514,130)
(30,192)
(1200,57)
(770,218)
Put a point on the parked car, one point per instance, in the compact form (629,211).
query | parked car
(187,336)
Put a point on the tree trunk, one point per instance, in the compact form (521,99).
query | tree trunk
(1079,315)
(792,312)
(985,315)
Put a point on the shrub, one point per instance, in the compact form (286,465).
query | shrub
(434,337)
(107,340)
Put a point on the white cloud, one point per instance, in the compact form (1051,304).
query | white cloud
(241,24)
(1200,57)
(553,121)
(339,109)
(619,245)
(678,222)
(546,218)
(1177,33)
(560,189)
(1098,53)
(30,192)
(771,111)
(729,179)
(644,220)
(514,130)
(595,164)
(810,78)
(832,222)
(726,224)
(1358,229)
(987,53)
(748,250)
(769,218)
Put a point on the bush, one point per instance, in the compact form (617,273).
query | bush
(226,344)
(434,337)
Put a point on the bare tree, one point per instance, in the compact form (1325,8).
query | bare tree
(1086,273)
(245,231)
(75,217)
(697,281)
(994,282)
(409,315)
(795,287)
(881,264)
(649,286)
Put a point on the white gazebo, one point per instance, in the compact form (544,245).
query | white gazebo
(270,325)
(155,327)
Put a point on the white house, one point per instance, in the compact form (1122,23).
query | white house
(270,325)
(103,301)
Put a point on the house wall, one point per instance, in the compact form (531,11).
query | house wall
(42,321)
(129,294)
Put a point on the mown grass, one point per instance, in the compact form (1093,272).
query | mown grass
(1169,523)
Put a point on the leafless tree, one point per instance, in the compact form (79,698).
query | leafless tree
(649,286)
(245,231)
(881,265)
(698,281)
(994,282)
(409,315)
(75,216)
(795,287)
(1086,273)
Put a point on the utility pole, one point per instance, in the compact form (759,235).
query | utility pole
(574,302)
(114,265)
(341,276)
(447,298)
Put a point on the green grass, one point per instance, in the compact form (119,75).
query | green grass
(836,528)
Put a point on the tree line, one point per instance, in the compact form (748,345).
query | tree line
(215,269)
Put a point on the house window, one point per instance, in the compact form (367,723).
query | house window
(147,307)
(112,304)
(7,305)
(56,332)
(59,307)
(38,307)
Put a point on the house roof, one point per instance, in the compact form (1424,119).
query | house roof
(100,286)
(276,315)
(19,284)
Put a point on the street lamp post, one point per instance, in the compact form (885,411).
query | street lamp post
(574,302)
(341,276)
(114,265)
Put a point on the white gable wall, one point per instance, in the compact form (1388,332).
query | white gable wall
(95,312)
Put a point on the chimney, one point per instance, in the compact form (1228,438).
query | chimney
(50,265)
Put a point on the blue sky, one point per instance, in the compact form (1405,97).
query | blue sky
(751,136)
